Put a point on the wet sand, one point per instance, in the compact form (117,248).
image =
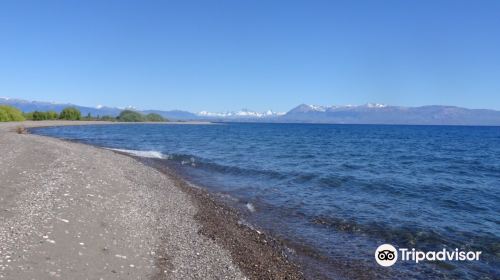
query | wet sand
(73,211)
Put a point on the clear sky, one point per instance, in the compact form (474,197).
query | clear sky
(233,54)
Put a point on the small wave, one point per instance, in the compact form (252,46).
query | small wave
(191,161)
(195,161)
(411,236)
(145,154)
(227,197)
(248,225)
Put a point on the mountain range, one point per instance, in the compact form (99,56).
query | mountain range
(370,113)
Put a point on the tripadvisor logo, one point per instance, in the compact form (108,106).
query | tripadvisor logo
(387,255)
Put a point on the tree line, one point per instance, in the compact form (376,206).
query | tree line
(9,113)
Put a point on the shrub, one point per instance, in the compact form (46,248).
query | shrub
(21,130)
(131,116)
(10,114)
(155,118)
(70,113)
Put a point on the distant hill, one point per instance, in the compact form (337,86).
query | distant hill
(362,114)
(383,114)
(30,106)
(174,114)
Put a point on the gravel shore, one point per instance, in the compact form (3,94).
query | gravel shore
(73,211)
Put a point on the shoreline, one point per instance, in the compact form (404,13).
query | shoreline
(295,256)
(257,255)
(54,123)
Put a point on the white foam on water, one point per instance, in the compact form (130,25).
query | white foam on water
(191,161)
(145,154)
(250,207)
(227,197)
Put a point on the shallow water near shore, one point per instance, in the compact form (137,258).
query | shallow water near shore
(336,192)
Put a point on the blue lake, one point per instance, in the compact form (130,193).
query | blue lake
(340,190)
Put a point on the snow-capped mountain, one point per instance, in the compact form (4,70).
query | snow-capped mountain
(374,113)
(242,114)
(371,113)
(303,108)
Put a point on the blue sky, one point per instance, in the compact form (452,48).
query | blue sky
(227,55)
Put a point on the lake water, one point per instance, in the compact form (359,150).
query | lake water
(336,192)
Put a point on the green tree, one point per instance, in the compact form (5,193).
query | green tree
(107,118)
(52,115)
(28,116)
(88,117)
(39,116)
(131,116)
(4,117)
(70,113)
(10,114)
(155,118)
